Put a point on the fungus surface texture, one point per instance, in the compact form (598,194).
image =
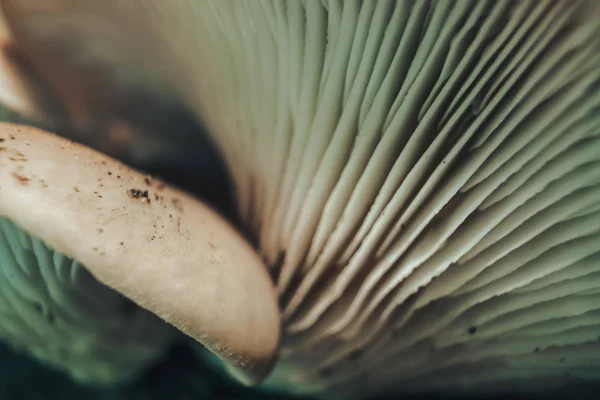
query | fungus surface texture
(421,178)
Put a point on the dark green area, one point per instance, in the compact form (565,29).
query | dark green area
(180,377)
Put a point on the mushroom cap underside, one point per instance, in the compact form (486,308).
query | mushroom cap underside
(421,177)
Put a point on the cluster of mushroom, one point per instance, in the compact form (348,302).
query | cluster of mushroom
(420,181)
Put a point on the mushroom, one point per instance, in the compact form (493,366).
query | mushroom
(20,91)
(420,177)
(64,206)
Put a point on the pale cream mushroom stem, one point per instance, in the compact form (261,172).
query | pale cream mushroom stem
(163,249)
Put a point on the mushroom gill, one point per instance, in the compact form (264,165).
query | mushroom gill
(421,177)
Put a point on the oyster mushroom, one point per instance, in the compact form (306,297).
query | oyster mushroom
(64,206)
(420,177)
(19,90)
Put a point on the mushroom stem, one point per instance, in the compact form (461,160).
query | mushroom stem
(166,251)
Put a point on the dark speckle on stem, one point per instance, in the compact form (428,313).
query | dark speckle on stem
(23,180)
(139,194)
